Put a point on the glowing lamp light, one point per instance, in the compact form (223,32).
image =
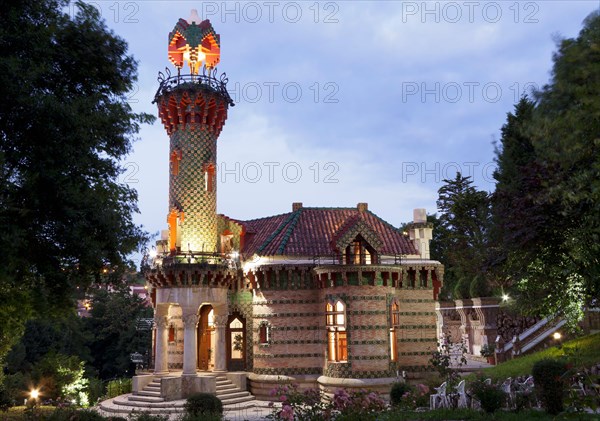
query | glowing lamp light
(505,297)
(557,336)
(34,394)
(193,42)
(153,253)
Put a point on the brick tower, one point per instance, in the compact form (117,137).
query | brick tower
(193,109)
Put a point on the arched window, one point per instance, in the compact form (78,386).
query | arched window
(171,333)
(394,326)
(336,332)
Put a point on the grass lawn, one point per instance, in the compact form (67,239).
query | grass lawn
(19,413)
(584,351)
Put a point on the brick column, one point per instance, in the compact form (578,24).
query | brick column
(190,343)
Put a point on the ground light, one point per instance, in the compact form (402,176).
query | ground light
(505,297)
(557,336)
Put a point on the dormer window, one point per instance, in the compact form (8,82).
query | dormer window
(359,252)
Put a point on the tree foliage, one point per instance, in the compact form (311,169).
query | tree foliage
(546,205)
(65,126)
(462,233)
(113,321)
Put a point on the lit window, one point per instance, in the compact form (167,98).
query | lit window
(359,252)
(209,178)
(236,330)
(171,333)
(336,332)
(394,325)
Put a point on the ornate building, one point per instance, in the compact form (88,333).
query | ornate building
(324,297)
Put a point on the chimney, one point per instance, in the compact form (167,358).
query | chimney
(420,233)
(362,207)
(296,206)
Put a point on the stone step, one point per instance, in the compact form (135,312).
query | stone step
(237,400)
(147,392)
(236,406)
(226,387)
(125,402)
(231,392)
(149,399)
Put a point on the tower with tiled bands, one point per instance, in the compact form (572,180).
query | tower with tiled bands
(193,110)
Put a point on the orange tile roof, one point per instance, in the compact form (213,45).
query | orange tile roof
(313,232)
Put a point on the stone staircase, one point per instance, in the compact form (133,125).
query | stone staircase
(149,400)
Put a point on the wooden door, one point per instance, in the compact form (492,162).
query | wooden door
(205,331)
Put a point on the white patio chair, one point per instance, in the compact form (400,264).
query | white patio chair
(439,399)
(461,396)
(508,389)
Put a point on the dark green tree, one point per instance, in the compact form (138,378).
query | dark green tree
(113,323)
(546,204)
(463,223)
(65,126)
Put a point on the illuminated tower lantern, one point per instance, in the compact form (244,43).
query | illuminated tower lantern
(193,109)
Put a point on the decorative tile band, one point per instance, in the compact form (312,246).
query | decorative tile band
(269,315)
(373,342)
(416,300)
(368,357)
(267,356)
(288,371)
(270,302)
(418,340)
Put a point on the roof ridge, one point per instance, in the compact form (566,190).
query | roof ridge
(384,221)
(264,217)
(276,232)
(288,233)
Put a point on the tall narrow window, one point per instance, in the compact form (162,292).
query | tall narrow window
(209,178)
(394,326)
(336,332)
(171,333)
(264,333)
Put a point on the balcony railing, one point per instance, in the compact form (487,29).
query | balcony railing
(208,79)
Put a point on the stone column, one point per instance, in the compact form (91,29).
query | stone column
(190,344)
(220,343)
(161,365)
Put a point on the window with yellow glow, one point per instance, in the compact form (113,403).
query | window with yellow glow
(394,325)
(337,342)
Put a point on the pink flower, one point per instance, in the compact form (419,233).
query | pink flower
(287,413)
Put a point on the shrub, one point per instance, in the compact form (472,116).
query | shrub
(118,387)
(73,414)
(548,375)
(397,392)
(203,404)
(149,417)
(95,390)
(479,287)
(5,399)
(490,396)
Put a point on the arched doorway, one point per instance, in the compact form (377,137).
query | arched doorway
(236,343)
(206,330)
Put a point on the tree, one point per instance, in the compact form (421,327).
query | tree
(546,204)
(464,222)
(113,322)
(65,126)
